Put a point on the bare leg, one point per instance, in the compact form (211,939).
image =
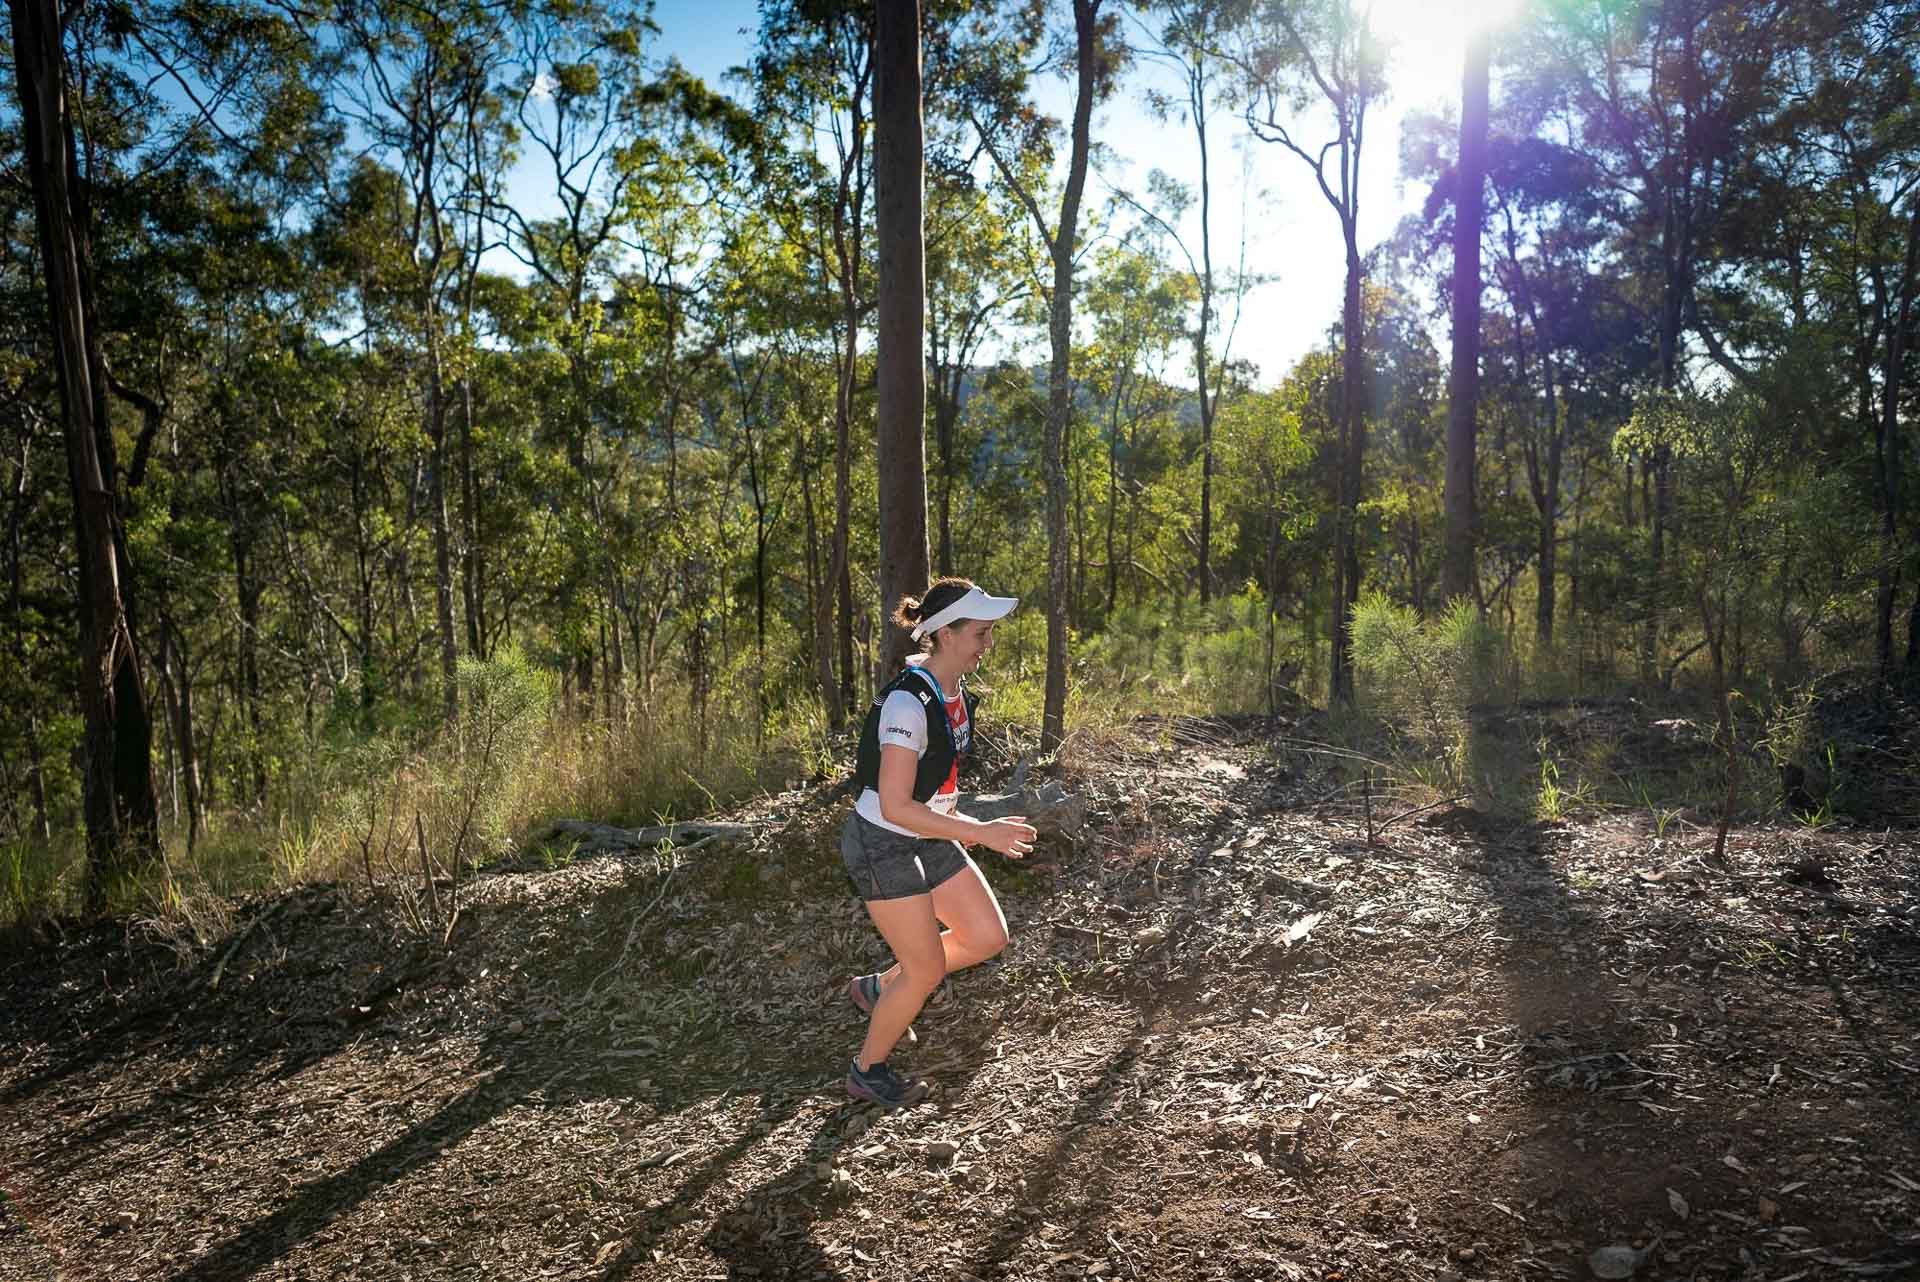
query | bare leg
(909,927)
(977,929)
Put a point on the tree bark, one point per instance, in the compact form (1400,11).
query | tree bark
(1202,353)
(1053,715)
(901,376)
(1463,383)
(122,812)
(1353,442)
(1887,449)
(176,683)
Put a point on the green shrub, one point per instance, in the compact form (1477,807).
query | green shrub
(1424,679)
(1227,660)
(505,702)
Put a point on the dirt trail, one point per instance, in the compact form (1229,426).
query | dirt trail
(1231,1039)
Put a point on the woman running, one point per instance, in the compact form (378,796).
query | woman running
(904,845)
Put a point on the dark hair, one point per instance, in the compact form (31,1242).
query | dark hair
(940,594)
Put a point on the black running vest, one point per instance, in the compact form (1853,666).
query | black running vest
(937,762)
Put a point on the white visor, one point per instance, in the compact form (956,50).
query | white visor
(974,605)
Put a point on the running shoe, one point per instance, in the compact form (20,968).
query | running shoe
(880,1085)
(863,991)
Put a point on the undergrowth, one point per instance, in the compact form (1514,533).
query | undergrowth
(411,816)
(1446,712)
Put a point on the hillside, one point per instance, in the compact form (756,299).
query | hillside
(1231,1039)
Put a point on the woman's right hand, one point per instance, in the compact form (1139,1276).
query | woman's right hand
(1012,836)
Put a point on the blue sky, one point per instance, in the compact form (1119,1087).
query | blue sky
(1291,234)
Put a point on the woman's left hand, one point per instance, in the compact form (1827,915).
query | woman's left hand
(1012,836)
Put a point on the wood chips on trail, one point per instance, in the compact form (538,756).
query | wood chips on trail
(1230,1039)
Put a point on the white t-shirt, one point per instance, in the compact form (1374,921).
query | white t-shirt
(903,723)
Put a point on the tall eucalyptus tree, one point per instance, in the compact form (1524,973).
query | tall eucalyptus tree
(1015,136)
(1290,53)
(1463,382)
(415,83)
(1191,34)
(813,77)
(120,805)
(900,374)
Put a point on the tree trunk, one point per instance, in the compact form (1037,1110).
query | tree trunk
(1543,480)
(1077,535)
(1550,529)
(1913,634)
(247,592)
(1415,589)
(1887,450)
(901,376)
(820,582)
(472,568)
(946,417)
(1548,550)
(1573,571)
(1202,356)
(363,582)
(176,683)
(1113,493)
(1053,716)
(1463,383)
(849,214)
(1353,440)
(835,626)
(442,557)
(1659,464)
(121,810)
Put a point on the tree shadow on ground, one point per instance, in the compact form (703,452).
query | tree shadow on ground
(1651,1010)
(769,1231)
(305,1022)
(1067,1166)
(236,1033)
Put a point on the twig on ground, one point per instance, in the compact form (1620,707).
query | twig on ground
(221,968)
(666,883)
(1432,805)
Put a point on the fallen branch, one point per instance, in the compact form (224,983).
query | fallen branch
(597,838)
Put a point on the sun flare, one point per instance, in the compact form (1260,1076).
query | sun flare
(1429,39)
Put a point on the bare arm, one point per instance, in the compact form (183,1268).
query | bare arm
(1012,837)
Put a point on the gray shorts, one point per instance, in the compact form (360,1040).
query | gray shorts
(883,864)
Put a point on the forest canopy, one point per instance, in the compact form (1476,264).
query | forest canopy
(328,450)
